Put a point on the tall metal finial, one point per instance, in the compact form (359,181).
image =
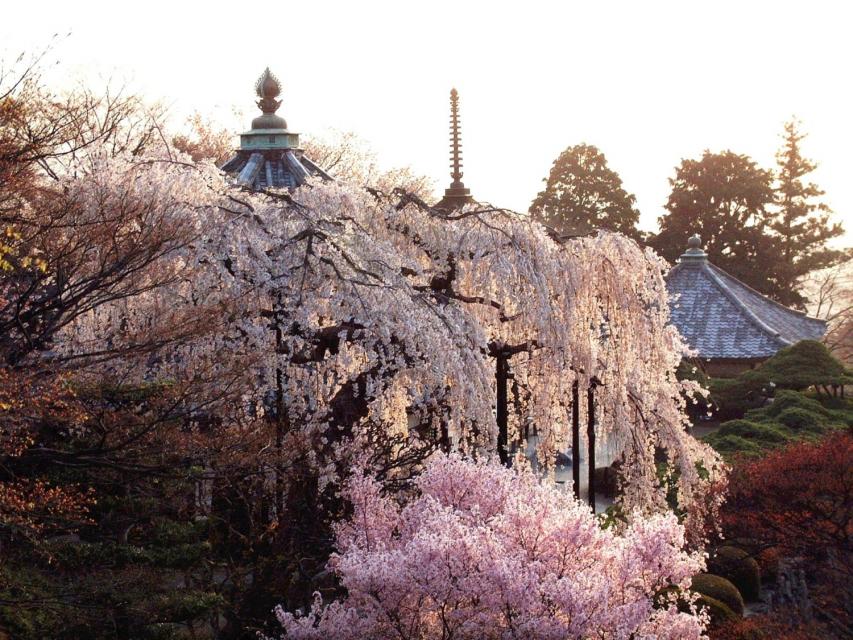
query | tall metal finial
(455,140)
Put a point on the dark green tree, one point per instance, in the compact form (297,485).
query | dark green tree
(725,198)
(582,193)
(801,222)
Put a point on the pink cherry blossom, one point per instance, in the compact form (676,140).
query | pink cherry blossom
(485,552)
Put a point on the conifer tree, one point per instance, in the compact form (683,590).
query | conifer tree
(801,222)
(582,194)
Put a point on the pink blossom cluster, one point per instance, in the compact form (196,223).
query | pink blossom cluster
(483,552)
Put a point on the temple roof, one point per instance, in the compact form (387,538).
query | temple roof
(269,156)
(722,318)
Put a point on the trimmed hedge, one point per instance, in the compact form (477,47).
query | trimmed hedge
(739,568)
(718,588)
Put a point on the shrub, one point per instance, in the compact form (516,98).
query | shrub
(802,420)
(737,566)
(732,446)
(720,614)
(800,366)
(763,433)
(718,588)
(787,399)
(733,397)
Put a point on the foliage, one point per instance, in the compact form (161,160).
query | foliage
(483,551)
(725,198)
(801,224)
(174,349)
(830,295)
(768,627)
(349,159)
(718,612)
(804,364)
(720,589)
(790,417)
(740,568)
(583,194)
(205,141)
(797,501)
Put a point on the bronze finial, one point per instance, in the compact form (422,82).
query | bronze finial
(268,88)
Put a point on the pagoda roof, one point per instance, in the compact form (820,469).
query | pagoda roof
(272,169)
(269,156)
(722,318)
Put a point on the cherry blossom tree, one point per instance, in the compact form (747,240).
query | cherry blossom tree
(372,322)
(488,552)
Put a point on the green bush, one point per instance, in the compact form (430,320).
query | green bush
(800,366)
(731,446)
(739,568)
(787,399)
(801,419)
(762,433)
(718,611)
(718,588)
(733,397)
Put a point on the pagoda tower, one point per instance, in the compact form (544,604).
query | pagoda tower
(269,156)
(455,196)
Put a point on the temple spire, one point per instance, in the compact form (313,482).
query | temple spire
(456,195)
(455,141)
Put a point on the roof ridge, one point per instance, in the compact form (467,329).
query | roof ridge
(733,297)
(765,298)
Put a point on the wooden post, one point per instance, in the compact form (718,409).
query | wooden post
(590,435)
(502,409)
(576,441)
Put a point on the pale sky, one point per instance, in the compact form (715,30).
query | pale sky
(647,82)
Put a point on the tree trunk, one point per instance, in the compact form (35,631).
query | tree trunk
(590,435)
(576,441)
(502,410)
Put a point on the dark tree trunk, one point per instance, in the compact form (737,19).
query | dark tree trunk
(590,435)
(502,409)
(576,441)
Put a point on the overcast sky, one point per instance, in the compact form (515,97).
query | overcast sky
(648,82)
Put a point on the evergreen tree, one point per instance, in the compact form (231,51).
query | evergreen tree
(801,222)
(582,194)
(724,197)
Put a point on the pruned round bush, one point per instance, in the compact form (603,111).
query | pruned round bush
(718,588)
(737,566)
(718,611)
(802,419)
(764,433)
(791,400)
(732,446)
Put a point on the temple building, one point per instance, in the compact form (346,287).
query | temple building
(457,195)
(269,156)
(731,326)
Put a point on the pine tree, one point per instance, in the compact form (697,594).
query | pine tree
(582,194)
(801,222)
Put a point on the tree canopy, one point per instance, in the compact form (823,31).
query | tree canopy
(582,194)
(725,198)
(800,223)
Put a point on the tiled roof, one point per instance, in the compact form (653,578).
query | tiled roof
(272,168)
(720,317)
